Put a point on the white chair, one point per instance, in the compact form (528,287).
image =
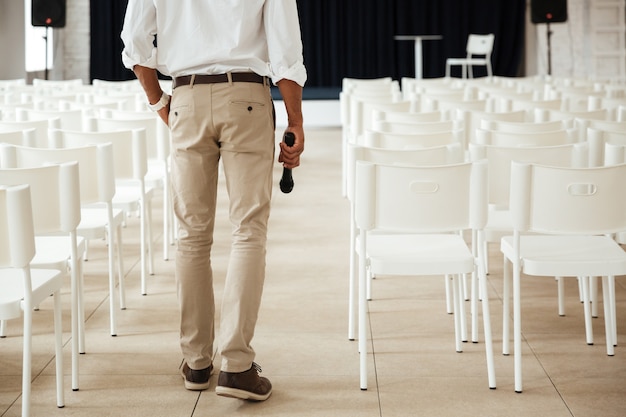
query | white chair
(439,155)
(99,220)
(158,148)
(402,230)
(499,159)
(570,212)
(481,45)
(23,288)
(131,193)
(56,188)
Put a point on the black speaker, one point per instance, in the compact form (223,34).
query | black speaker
(49,13)
(548,11)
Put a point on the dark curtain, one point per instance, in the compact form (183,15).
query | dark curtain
(355,38)
(107,18)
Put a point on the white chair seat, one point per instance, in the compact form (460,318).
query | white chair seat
(422,254)
(568,255)
(52,252)
(92,219)
(44,281)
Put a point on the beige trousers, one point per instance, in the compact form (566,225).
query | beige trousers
(234,122)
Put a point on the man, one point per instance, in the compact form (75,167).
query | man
(221,55)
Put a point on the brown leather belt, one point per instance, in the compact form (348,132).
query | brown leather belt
(241,77)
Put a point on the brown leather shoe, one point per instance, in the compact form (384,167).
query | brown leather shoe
(196,380)
(247,385)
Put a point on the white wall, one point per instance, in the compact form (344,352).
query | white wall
(12,39)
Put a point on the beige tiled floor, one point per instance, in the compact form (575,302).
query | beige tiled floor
(301,338)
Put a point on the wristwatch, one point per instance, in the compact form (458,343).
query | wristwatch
(163,101)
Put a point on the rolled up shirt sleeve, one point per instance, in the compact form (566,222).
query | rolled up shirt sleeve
(138,35)
(284,40)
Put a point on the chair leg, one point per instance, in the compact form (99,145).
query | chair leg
(352,284)
(474,307)
(587,310)
(362,316)
(609,324)
(112,307)
(613,308)
(120,268)
(482,281)
(3,328)
(593,296)
(75,315)
(560,283)
(517,325)
(58,348)
(448,280)
(27,359)
(458,308)
(142,245)
(506,307)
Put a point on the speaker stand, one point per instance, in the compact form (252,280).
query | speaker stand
(548,35)
(45,37)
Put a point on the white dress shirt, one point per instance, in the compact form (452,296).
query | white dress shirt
(215,37)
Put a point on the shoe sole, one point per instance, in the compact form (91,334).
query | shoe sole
(196,386)
(241,394)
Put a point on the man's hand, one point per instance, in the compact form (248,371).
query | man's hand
(290,155)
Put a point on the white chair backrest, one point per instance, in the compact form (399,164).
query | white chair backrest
(55,195)
(41,128)
(498,138)
(26,137)
(407,117)
(614,154)
(597,140)
(157,132)
(129,149)
(410,140)
(17,238)
(588,201)
(95,166)
(415,127)
(499,159)
(480,44)
(410,198)
(439,155)
(68,119)
(523,126)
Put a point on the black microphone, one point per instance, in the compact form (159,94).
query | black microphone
(286,182)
